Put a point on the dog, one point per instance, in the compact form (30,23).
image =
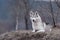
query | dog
(36,21)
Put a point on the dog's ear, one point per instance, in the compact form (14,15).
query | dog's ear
(31,13)
(36,13)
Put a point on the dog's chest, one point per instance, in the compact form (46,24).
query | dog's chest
(37,23)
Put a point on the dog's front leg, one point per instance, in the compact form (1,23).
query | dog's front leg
(41,31)
(33,28)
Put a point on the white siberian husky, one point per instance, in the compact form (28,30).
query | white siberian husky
(37,24)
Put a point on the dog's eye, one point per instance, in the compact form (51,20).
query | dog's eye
(31,13)
(37,16)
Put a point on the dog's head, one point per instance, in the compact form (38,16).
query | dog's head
(33,15)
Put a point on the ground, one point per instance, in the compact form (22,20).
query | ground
(28,35)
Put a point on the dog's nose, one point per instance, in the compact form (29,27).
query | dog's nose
(33,20)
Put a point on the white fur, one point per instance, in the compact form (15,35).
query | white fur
(37,23)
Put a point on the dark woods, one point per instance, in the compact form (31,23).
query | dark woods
(14,14)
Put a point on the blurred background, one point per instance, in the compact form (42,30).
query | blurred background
(15,13)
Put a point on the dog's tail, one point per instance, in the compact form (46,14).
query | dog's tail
(47,28)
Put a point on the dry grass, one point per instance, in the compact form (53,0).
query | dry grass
(28,35)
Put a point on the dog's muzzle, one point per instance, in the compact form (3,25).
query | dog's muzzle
(33,20)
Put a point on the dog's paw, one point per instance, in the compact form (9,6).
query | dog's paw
(33,31)
(41,31)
